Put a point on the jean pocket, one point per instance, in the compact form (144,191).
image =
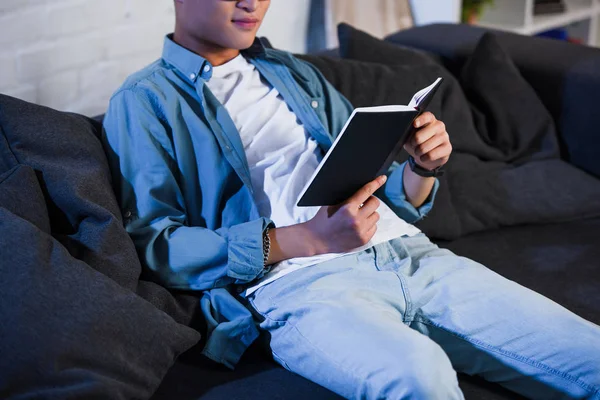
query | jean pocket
(265,306)
(260,301)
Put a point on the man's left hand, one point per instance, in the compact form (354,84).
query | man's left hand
(430,145)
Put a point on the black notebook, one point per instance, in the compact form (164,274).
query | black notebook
(364,150)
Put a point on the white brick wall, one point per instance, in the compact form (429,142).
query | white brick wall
(72,54)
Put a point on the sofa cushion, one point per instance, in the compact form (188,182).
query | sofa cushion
(527,183)
(75,180)
(20,193)
(68,331)
(73,172)
(357,44)
(559,260)
(563,74)
(507,112)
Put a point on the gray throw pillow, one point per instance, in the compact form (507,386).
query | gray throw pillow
(359,45)
(70,332)
(77,320)
(75,179)
(20,194)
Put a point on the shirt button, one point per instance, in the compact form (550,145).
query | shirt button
(192,76)
(227,148)
(206,68)
(314,104)
(128,214)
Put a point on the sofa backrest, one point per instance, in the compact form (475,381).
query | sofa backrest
(566,76)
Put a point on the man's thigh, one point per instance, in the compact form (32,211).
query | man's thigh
(493,327)
(341,325)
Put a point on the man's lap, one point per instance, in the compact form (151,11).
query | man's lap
(329,321)
(486,324)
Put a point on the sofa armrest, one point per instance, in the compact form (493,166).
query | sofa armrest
(566,77)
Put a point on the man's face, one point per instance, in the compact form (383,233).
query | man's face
(229,24)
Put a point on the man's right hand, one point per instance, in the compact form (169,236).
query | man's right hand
(337,229)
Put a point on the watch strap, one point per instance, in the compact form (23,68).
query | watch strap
(426,173)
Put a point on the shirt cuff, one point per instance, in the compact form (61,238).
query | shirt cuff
(395,192)
(245,250)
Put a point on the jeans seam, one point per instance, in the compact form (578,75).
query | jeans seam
(514,356)
(285,364)
(406,319)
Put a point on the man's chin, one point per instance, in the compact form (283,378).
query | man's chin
(244,43)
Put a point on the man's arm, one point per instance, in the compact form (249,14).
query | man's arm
(145,171)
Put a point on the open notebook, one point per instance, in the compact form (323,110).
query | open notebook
(365,149)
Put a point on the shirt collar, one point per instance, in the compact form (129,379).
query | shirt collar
(192,65)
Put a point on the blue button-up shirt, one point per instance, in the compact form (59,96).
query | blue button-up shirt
(184,184)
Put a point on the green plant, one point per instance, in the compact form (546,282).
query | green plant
(474,8)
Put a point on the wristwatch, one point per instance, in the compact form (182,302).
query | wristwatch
(426,173)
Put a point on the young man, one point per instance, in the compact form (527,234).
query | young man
(211,147)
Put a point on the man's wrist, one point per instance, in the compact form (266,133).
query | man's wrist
(422,171)
(310,245)
(291,242)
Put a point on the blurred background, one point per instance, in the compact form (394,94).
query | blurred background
(72,54)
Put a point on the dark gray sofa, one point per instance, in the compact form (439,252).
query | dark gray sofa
(559,260)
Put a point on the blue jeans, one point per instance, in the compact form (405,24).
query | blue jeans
(399,324)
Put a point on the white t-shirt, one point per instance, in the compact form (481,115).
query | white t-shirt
(282,157)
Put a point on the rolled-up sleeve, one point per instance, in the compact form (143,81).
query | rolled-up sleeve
(145,174)
(394,195)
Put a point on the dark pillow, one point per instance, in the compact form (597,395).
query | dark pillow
(358,45)
(69,332)
(487,184)
(526,183)
(411,70)
(507,112)
(73,172)
(20,194)
(75,180)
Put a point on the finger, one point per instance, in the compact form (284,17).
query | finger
(432,143)
(370,233)
(370,206)
(424,119)
(366,191)
(426,133)
(441,152)
(373,219)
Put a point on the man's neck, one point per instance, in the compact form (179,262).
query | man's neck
(216,55)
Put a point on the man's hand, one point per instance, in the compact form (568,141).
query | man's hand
(334,229)
(430,145)
(352,224)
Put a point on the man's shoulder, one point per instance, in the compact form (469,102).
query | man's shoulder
(145,79)
(289,60)
(305,74)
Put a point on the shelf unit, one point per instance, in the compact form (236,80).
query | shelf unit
(581,18)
